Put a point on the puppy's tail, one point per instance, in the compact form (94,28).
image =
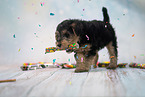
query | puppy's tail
(105,14)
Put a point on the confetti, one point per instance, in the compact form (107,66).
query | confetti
(70,82)
(69,60)
(112,57)
(42,4)
(87,37)
(78,1)
(31,48)
(133,35)
(14,36)
(85,46)
(54,60)
(83,9)
(142,55)
(81,59)
(135,57)
(19,50)
(18,17)
(39,25)
(77,57)
(105,26)
(52,14)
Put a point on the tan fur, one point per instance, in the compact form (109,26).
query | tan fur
(113,58)
(87,61)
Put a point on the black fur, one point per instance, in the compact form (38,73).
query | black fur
(100,33)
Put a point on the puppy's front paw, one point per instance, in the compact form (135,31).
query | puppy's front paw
(112,66)
(81,70)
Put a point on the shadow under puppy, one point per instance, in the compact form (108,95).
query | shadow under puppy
(91,37)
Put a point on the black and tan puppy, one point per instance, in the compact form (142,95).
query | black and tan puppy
(91,36)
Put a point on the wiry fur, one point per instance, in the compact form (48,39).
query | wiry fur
(95,34)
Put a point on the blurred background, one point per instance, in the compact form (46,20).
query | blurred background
(27,27)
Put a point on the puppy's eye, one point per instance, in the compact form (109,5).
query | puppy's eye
(66,35)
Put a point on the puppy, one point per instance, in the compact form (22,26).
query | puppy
(91,37)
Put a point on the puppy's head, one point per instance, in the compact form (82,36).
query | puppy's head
(65,34)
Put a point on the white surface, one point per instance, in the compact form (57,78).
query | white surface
(55,82)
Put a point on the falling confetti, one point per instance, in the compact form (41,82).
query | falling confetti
(105,26)
(69,60)
(77,57)
(54,60)
(39,25)
(14,36)
(83,9)
(133,35)
(142,55)
(87,37)
(19,50)
(82,15)
(42,4)
(81,59)
(31,48)
(52,14)
(135,57)
(85,46)
(112,57)
(18,17)
(78,1)
(70,82)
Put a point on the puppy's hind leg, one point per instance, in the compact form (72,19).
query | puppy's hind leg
(112,55)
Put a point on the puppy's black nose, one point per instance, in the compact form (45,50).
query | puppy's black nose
(59,45)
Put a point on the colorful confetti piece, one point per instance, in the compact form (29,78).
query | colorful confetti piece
(105,26)
(81,59)
(18,17)
(77,57)
(135,57)
(54,60)
(31,48)
(87,37)
(112,57)
(83,9)
(70,82)
(78,1)
(14,36)
(69,60)
(19,50)
(85,46)
(142,55)
(42,4)
(133,35)
(52,14)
